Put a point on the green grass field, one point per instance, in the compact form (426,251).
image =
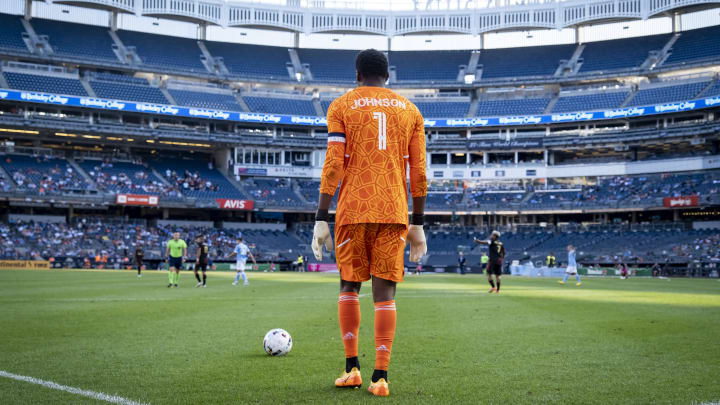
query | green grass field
(610,341)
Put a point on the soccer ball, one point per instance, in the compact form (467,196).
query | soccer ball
(277,342)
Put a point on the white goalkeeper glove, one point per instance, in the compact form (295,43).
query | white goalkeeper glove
(321,236)
(418,246)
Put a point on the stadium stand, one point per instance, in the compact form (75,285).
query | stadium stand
(77,40)
(590,102)
(43,174)
(665,93)
(253,61)
(330,65)
(42,83)
(620,53)
(699,44)
(713,90)
(127,177)
(115,242)
(432,66)
(273,192)
(523,62)
(280,105)
(443,200)
(162,51)
(11,30)
(199,99)
(523,106)
(442,108)
(196,179)
(125,89)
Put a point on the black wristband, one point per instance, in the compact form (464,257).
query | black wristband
(322,215)
(417,219)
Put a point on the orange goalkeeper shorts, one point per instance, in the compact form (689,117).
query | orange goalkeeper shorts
(363,250)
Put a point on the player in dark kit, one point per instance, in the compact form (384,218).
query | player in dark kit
(139,254)
(202,261)
(496,253)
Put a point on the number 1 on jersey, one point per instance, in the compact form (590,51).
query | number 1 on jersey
(382,129)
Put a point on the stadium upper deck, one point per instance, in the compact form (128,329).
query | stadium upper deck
(129,50)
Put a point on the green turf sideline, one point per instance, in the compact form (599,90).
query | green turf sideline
(78,391)
(636,341)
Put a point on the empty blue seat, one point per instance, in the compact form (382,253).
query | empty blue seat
(430,66)
(524,106)
(198,99)
(620,53)
(278,105)
(11,30)
(77,40)
(703,43)
(162,51)
(666,94)
(46,84)
(590,102)
(266,62)
(522,62)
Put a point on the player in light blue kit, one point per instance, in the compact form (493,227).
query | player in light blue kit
(242,252)
(571,266)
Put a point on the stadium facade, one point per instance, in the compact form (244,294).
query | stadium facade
(590,142)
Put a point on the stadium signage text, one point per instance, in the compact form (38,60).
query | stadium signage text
(687,201)
(134,199)
(24,264)
(316,121)
(229,204)
(524,144)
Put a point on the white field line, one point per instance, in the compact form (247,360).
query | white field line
(86,393)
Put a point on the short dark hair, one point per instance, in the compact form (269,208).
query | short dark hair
(371,63)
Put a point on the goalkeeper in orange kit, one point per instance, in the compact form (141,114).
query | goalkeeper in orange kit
(374,135)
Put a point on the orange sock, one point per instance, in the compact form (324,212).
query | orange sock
(385,319)
(349,316)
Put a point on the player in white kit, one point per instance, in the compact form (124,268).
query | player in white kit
(571,266)
(242,252)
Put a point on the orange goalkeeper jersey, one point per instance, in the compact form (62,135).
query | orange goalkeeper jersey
(373,135)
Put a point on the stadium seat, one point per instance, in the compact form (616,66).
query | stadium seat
(666,94)
(522,106)
(77,40)
(254,61)
(590,102)
(42,83)
(162,51)
(280,105)
(211,100)
(620,53)
(699,44)
(523,62)
(11,30)
(127,91)
(330,65)
(428,66)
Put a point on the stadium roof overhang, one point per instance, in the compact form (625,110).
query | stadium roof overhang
(474,21)
(121,6)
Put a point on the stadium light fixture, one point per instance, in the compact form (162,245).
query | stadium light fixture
(19,131)
(199,145)
(469,79)
(112,138)
(65,134)
(91,136)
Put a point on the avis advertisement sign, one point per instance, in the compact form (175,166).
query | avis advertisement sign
(135,199)
(245,205)
(675,202)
